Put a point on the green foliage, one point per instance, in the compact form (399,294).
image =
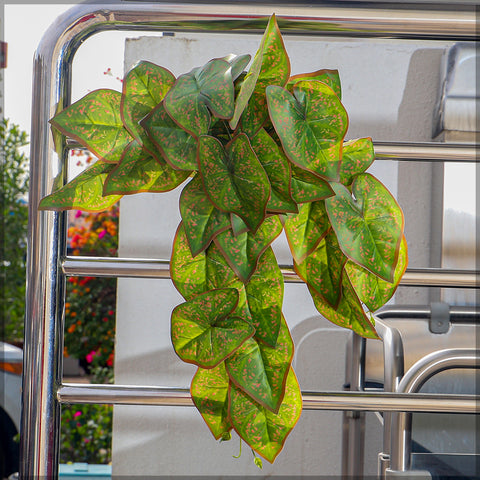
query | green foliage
(264,152)
(13,234)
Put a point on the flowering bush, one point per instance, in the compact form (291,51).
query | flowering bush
(90,337)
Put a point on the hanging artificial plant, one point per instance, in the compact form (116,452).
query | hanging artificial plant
(263,152)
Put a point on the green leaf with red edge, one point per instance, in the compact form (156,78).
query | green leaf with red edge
(234,179)
(265,298)
(322,270)
(138,171)
(270,66)
(277,169)
(349,312)
(144,87)
(369,224)
(208,270)
(307,187)
(203,330)
(305,229)
(243,251)
(95,122)
(260,370)
(329,77)
(84,192)
(372,290)
(357,156)
(209,390)
(197,93)
(177,146)
(311,125)
(202,220)
(238,63)
(264,431)
(238,225)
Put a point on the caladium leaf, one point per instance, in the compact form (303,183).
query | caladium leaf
(202,220)
(238,225)
(265,431)
(349,312)
(265,298)
(270,66)
(243,251)
(138,171)
(209,390)
(204,332)
(234,178)
(95,122)
(277,169)
(260,370)
(329,77)
(373,291)
(307,187)
(205,89)
(311,125)
(369,224)
(357,156)
(177,146)
(84,192)
(208,270)
(322,270)
(144,87)
(238,63)
(305,229)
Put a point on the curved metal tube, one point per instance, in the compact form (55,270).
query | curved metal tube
(413,380)
(51,89)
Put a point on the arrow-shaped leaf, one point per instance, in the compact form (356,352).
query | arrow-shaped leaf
(265,298)
(311,125)
(177,146)
(243,251)
(84,192)
(209,390)
(204,333)
(205,88)
(265,431)
(349,312)
(260,370)
(307,187)
(138,172)
(373,291)
(369,224)
(270,66)
(322,270)
(202,220)
(234,179)
(144,87)
(329,77)
(277,169)
(357,156)
(238,63)
(305,229)
(95,122)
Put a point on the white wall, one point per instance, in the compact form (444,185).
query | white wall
(389,90)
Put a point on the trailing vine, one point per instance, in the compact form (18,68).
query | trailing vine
(263,152)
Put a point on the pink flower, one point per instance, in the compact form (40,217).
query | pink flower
(78,214)
(89,356)
(102,234)
(77,414)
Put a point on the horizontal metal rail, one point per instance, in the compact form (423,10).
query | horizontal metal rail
(361,401)
(153,268)
(403,151)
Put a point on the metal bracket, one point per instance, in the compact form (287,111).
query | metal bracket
(439,317)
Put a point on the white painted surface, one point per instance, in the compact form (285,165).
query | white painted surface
(389,90)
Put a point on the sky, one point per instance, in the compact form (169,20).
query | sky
(104,51)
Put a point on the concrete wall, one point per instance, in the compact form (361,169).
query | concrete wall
(389,90)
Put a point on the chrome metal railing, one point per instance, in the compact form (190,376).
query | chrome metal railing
(47,262)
